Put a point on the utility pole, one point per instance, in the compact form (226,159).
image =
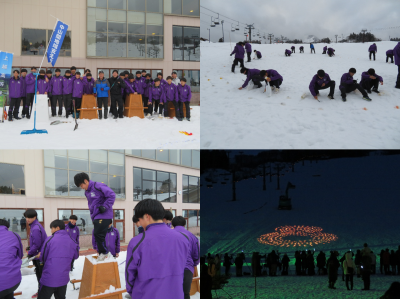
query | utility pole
(209,35)
(270,36)
(336,37)
(363,31)
(249,27)
(278,168)
(223,38)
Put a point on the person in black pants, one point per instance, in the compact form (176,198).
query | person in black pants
(347,84)
(23,93)
(14,92)
(101,88)
(116,87)
(239,56)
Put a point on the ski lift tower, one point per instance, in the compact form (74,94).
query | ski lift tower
(249,27)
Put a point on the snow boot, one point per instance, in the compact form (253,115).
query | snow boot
(368,90)
(188,118)
(375,90)
(344,99)
(367,99)
(233,68)
(276,90)
(331,97)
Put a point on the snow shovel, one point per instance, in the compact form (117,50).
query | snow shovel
(76,123)
(57,122)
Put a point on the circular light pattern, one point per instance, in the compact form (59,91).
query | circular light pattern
(313,235)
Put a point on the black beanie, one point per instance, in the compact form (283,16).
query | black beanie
(321,73)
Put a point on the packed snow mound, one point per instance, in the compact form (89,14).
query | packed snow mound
(248,119)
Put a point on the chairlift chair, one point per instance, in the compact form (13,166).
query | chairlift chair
(237,27)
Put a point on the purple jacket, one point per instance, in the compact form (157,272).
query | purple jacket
(155,93)
(288,52)
(88,86)
(301,48)
(99,194)
(68,84)
(258,53)
(250,73)
(396,53)
(247,47)
(316,80)
(163,82)
(42,85)
(112,240)
(23,90)
(194,249)
(11,254)
(30,83)
(56,84)
(373,48)
(292,47)
(346,79)
(330,50)
(57,253)
(149,84)
(389,52)
(325,48)
(15,88)
(36,238)
(130,87)
(238,51)
(155,263)
(365,77)
(274,75)
(184,93)
(73,232)
(170,93)
(77,88)
(140,85)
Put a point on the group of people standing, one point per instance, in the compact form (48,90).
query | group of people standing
(67,91)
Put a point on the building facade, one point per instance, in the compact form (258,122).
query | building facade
(152,35)
(43,180)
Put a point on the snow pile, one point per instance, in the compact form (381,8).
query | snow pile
(93,134)
(235,118)
(94,260)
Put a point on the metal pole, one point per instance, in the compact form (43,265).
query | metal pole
(223,37)
(209,35)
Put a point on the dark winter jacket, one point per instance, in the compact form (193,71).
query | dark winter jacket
(238,51)
(140,85)
(130,87)
(170,93)
(389,52)
(333,266)
(346,79)
(321,260)
(112,240)
(88,86)
(316,80)
(73,232)
(274,75)
(77,88)
(373,48)
(23,90)
(247,47)
(288,52)
(396,53)
(258,53)
(285,260)
(116,86)
(101,84)
(365,77)
(250,73)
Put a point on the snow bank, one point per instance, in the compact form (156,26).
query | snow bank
(246,119)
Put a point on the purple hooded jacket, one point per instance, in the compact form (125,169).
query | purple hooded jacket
(112,241)
(396,53)
(11,254)
(140,85)
(250,73)
(36,238)
(73,232)
(316,80)
(274,75)
(325,48)
(57,253)
(149,84)
(389,52)
(238,51)
(15,88)
(346,79)
(77,88)
(42,85)
(155,93)
(56,84)
(258,53)
(288,52)
(30,83)
(130,87)
(373,48)
(99,194)
(194,249)
(184,93)
(23,90)
(292,47)
(247,47)
(330,50)
(170,93)
(88,86)
(365,77)
(155,263)
(68,83)
(163,82)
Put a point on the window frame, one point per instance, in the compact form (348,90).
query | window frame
(182,27)
(158,161)
(72,213)
(182,70)
(182,15)
(134,225)
(187,218)
(23,165)
(183,190)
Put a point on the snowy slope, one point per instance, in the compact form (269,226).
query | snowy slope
(28,285)
(249,119)
(124,133)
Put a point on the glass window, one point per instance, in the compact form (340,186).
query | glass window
(17,221)
(154,74)
(97,20)
(66,45)
(154,24)
(117,4)
(97,3)
(174,156)
(172,187)
(186,157)
(84,222)
(149,174)
(119,214)
(97,177)
(193,79)
(136,22)
(136,46)
(137,184)
(56,158)
(33,41)
(106,73)
(117,45)
(98,161)
(117,184)
(155,46)
(116,28)
(96,44)
(119,225)
(139,5)
(56,181)
(195,158)
(162,155)
(116,16)
(73,189)
(173,7)
(78,160)
(191,7)
(191,43)
(116,163)
(156,184)
(191,189)
(149,190)
(149,154)
(133,152)
(155,5)
(177,41)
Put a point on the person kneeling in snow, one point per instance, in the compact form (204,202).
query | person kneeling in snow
(11,253)
(288,52)
(324,49)
(331,52)
(155,259)
(321,81)
(301,49)
(253,75)
(112,240)
(348,84)
(371,80)
(100,201)
(274,79)
(57,253)
(258,54)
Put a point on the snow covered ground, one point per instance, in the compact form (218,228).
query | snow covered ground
(93,134)
(248,119)
(28,285)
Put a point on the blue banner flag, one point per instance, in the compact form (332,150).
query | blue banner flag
(6,60)
(56,41)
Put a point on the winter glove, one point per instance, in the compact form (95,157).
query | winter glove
(102,89)
(102,209)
